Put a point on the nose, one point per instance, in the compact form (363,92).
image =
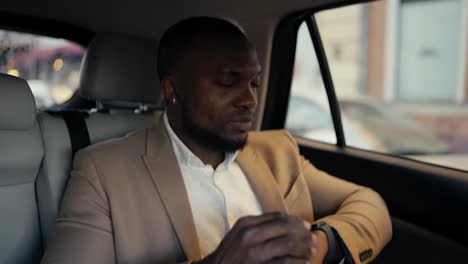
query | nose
(247,97)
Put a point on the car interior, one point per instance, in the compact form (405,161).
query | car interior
(119,92)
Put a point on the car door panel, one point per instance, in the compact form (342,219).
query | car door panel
(412,244)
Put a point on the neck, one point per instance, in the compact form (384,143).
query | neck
(206,155)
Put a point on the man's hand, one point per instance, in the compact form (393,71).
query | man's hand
(320,247)
(269,238)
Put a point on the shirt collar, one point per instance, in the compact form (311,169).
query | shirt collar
(185,156)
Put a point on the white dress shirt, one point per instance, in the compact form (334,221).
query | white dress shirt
(218,197)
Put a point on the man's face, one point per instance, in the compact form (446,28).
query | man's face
(219,93)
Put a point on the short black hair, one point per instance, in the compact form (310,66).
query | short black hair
(180,36)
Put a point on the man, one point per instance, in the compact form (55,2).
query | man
(198,187)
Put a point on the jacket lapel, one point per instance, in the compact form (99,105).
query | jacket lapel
(261,179)
(162,165)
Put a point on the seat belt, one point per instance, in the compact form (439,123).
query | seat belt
(77,129)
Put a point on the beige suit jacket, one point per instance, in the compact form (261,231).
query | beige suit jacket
(126,201)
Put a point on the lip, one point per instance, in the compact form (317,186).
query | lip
(241,125)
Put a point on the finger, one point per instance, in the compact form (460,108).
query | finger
(314,244)
(284,226)
(244,224)
(287,260)
(249,221)
(283,247)
(314,238)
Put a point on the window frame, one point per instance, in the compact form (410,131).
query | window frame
(327,80)
(282,64)
(45,27)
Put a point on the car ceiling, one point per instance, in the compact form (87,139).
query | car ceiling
(149,18)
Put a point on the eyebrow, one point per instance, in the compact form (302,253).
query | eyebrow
(237,71)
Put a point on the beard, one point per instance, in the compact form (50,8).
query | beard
(210,137)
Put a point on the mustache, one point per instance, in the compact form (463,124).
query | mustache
(240,116)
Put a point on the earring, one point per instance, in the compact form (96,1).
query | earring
(173,100)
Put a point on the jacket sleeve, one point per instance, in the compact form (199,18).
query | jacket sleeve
(358,214)
(83,231)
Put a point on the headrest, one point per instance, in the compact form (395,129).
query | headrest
(120,68)
(17,105)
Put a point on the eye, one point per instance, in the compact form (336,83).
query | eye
(255,83)
(226,80)
(226,84)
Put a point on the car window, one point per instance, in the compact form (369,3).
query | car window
(299,108)
(399,69)
(51,66)
(308,111)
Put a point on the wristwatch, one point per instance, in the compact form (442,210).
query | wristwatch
(330,236)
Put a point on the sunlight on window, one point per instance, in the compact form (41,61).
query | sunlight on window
(58,65)
(61,93)
(13,72)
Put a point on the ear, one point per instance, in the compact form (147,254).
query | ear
(168,88)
